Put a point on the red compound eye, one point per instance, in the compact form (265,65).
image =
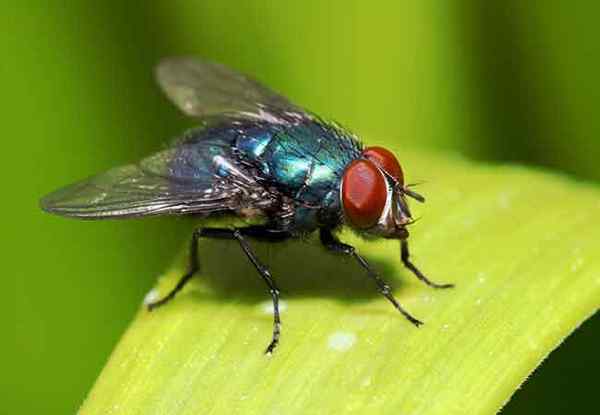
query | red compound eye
(364,193)
(386,160)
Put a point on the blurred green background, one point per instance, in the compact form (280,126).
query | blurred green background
(494,81)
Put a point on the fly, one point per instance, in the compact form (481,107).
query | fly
(254,155)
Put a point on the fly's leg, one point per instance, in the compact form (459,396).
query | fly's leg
(334,245)
(192,268)
(405,255)
(239,234)
(267,278)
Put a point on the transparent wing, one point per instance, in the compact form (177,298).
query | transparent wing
(130,191)
(181,180)
(200,88)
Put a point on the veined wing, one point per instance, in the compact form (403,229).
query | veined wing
(129,191)
(183,179)
(199,179)
(200,88)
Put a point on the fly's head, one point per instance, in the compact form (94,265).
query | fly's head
(373,195)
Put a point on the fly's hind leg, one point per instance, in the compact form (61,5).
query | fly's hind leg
(192,268)
(239,234)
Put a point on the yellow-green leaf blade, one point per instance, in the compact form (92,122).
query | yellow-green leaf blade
(520,245)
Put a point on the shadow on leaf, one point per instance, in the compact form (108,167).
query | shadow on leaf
(300,268)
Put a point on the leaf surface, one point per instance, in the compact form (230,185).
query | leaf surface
(521,245)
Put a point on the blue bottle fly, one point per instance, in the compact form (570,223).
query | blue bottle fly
(255,155)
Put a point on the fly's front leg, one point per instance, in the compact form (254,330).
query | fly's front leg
(333,244)
(405,255)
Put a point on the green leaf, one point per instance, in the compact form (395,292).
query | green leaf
(522,247)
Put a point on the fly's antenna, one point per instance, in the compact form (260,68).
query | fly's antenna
(405,189)
(413,194)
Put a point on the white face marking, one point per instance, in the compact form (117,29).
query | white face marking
(386,215)
(341,341)
(151,297)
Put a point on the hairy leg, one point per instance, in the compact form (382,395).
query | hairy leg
(334,245)
(405,255)
(239,234)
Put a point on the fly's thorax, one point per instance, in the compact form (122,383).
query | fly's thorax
(304,160)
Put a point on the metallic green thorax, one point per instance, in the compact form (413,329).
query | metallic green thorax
(305,161)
